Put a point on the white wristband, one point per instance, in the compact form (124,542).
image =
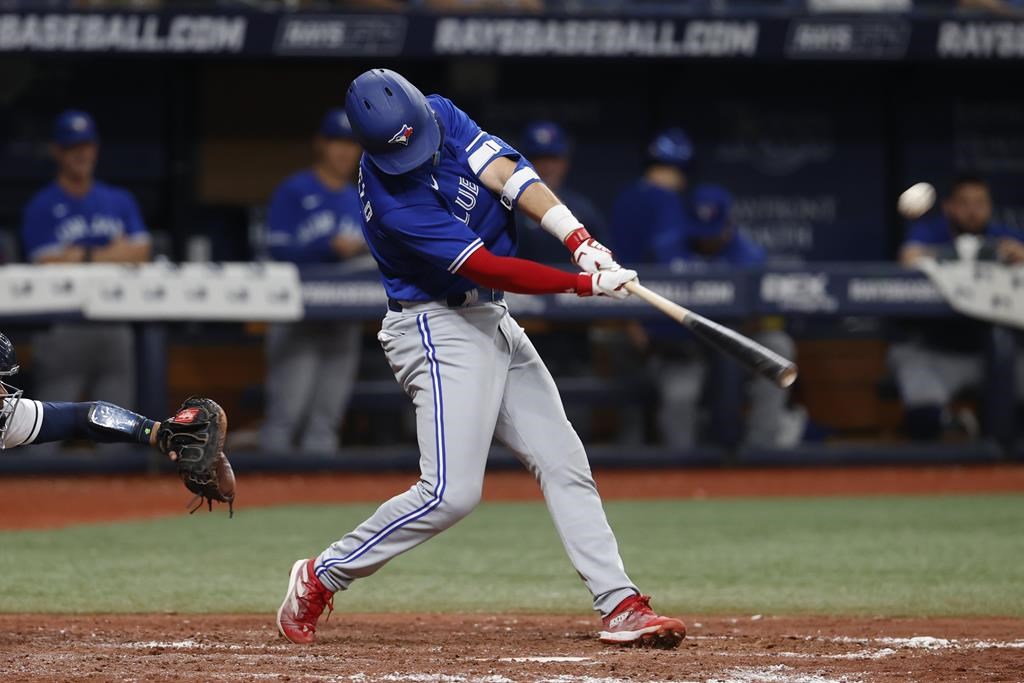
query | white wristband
(559,221)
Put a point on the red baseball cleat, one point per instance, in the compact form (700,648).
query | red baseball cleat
(303,604)
(633,622)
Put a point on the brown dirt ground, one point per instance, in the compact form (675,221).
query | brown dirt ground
(424,648)
(503,649)
(48,502)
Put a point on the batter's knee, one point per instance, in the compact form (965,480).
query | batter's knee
(456,503)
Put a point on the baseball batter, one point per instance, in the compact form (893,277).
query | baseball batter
(437,194)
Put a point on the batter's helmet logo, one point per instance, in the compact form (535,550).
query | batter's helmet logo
(402,136)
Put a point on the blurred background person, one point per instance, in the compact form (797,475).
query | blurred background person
(712,238)
(314,217)
(939,359)
(651,205)
(649,212)
(79,219)
(546,145)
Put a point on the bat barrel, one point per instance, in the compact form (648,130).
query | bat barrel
(755,356)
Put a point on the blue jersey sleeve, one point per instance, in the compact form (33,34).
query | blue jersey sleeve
(476,147)
(432,234)
(1005,231)
(38,230)
(929,231)
(134,226)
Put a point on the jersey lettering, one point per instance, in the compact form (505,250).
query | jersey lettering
(361,186)
(466,196)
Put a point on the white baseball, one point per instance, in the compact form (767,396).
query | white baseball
(916,200)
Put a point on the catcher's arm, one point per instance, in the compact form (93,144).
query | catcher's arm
(36,422)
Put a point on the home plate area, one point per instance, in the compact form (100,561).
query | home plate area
(504,649)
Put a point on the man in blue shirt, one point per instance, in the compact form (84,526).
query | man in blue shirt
(710,236)
(315,217)
(546,145)
(438,194)
(648,216)
(79,219)
(940,359)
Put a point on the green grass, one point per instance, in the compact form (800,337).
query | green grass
(955,555)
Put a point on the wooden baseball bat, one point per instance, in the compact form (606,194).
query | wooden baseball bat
(761,360)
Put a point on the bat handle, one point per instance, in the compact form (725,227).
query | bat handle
(669,308)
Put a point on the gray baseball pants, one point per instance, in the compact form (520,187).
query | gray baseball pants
(311,372)
(473,375)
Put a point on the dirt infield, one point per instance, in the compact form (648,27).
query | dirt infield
(506,649)
(47,502)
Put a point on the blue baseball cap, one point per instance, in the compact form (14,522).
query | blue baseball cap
(74,127)
(392,120)
(708,206)
(336,126)
(544,139)
(671,146)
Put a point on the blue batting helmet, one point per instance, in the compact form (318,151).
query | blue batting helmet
(671,146)
(392,120)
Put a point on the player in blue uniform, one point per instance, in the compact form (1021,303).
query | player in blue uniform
(711,237)
(78,219)
(546,145)
(315,217)
(438,194)
(938,360)
(649,215)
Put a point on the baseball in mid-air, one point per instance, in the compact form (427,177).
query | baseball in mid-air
(916,200)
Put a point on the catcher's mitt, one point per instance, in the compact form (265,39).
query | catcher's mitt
(196,437)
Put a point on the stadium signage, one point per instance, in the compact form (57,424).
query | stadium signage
(798,292)
(340,34)
(984,39)
(217,33)
(128,32)
(874,39)
(595,37)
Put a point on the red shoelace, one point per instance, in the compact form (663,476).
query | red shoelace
(316,599)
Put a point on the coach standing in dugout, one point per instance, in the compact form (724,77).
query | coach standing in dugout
(315,217)
(711,237)
(546,145)
(78,219)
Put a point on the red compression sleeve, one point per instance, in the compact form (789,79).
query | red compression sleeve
(521,276)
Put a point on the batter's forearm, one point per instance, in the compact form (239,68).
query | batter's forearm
(535,200)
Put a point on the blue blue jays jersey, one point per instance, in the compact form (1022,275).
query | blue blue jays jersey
(54,220)
(738,251)
(306,215)
(647,222)
(421,226)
